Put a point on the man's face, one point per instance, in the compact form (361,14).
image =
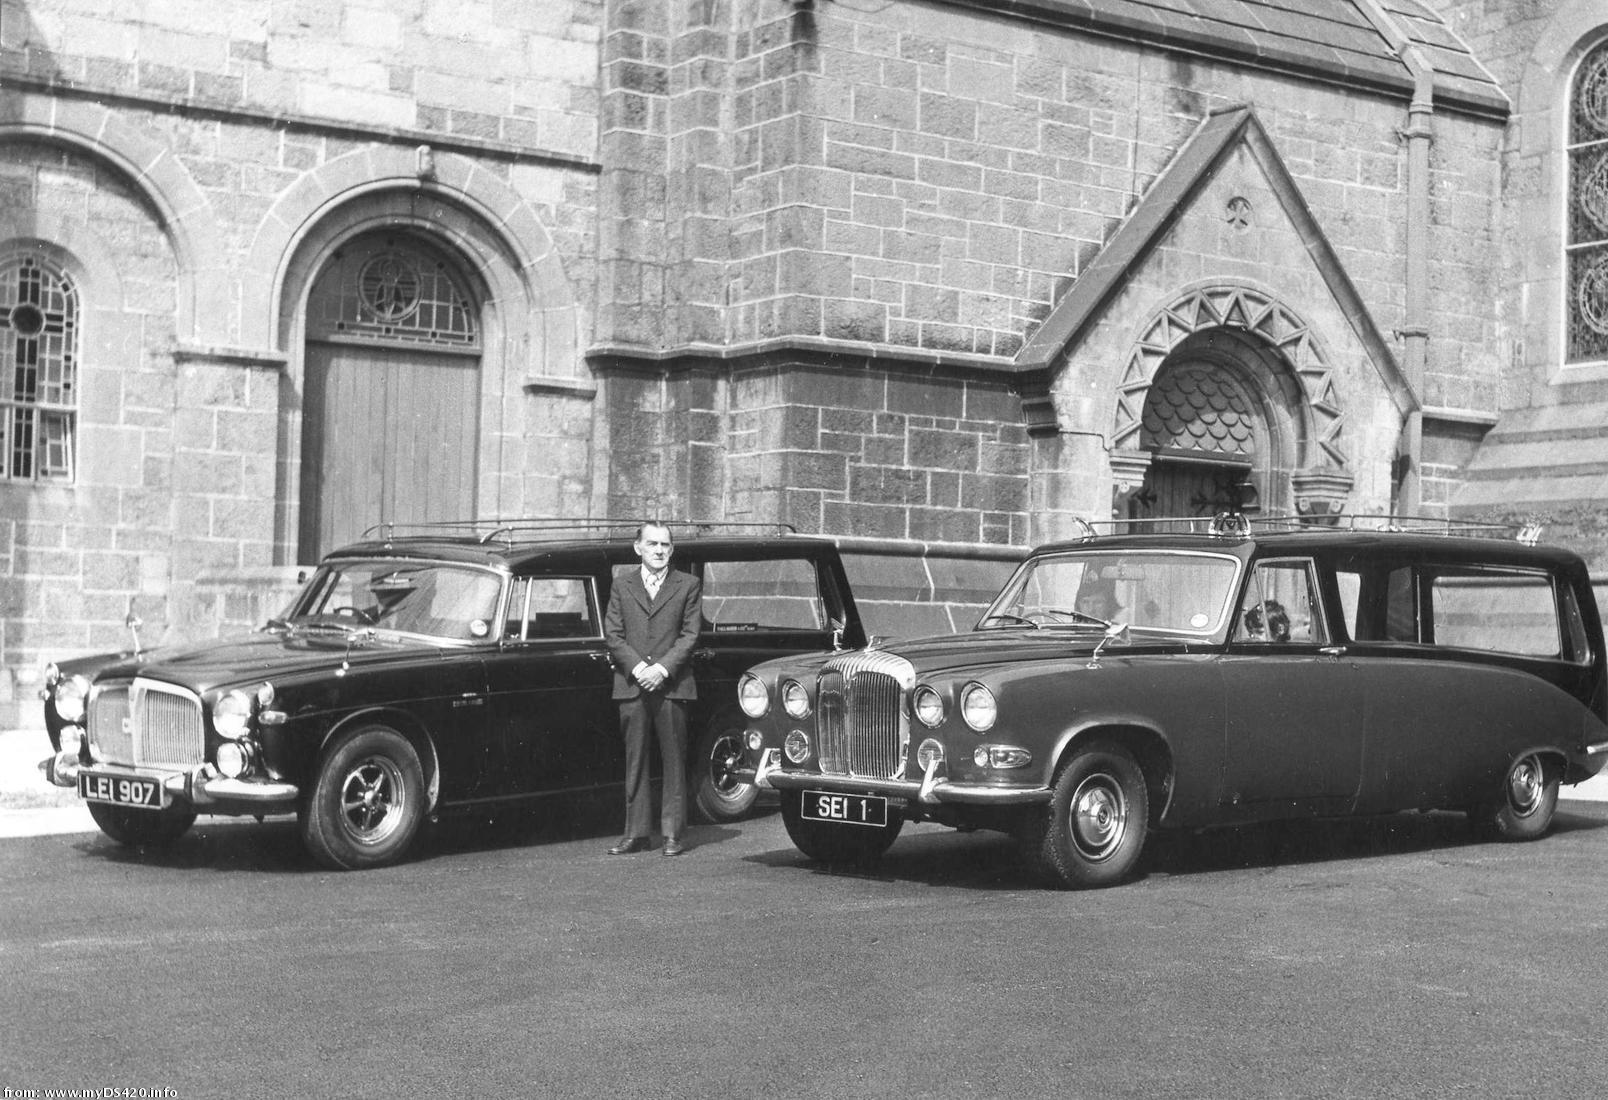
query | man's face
(654,547)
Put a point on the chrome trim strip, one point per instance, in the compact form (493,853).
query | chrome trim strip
(909,790)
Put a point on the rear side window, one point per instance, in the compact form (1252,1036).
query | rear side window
(771,595)
(1501,611)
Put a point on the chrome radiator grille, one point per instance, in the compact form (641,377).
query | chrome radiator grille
(148,725)
(862,728)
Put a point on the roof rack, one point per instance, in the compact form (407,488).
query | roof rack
(1240,525)
(514,531)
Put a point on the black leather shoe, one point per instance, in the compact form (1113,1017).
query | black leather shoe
(673,846)
(628,845)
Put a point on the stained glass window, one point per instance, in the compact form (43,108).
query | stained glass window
(379,288)
(1588,209)
(38,371)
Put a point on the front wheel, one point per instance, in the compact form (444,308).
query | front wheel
(1529,799)
(367,803)
(832,842)
(142,828)
(1093,830)
(717,793)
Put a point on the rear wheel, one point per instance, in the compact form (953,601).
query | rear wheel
(1093,830)
(142,828)
(1529,799)
(717,793)
(367,802)
(831,842)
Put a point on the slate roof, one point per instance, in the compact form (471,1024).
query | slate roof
(1351,42)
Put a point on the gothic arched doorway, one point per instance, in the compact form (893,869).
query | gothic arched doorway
(391,403)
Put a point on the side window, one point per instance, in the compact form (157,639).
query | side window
(779,594)
(1504,611)
(1281,605)
(1349,583)
(551,607)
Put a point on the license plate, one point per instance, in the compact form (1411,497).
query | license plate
(851,809)
(120,790)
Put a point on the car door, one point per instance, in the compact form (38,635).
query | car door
(552,721)
(1293,702)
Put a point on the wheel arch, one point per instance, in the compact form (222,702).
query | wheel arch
(1147,746)
(409,727)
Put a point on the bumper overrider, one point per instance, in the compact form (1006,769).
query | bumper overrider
(198,786)
(930,789)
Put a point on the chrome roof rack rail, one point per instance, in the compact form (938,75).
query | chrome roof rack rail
(1236,525)
(523,530)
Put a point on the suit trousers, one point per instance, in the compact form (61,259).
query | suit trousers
(649,713)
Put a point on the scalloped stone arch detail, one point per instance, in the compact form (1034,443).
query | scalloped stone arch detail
(1251,311)
(182,208)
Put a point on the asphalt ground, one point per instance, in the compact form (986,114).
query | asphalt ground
(1391,958)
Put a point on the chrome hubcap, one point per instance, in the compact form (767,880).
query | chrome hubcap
(1526,782)
(1099,817)
(373,800)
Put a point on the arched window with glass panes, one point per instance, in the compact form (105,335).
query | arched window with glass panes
(1587,245)
(38,370)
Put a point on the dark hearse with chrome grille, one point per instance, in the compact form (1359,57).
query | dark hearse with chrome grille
(460,667)
(1132,682)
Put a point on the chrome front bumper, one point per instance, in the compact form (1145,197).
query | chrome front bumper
(930,789)
(200,786)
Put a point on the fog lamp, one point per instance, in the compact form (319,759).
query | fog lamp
(234,759)
(752,696)
(930,753)
(797,746)
(756,740)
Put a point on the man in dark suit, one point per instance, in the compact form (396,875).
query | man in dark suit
(651,627)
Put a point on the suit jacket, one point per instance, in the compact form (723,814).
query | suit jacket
(662,631)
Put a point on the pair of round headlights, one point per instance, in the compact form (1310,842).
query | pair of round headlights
(978,708)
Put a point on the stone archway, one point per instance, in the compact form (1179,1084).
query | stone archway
(1275,415)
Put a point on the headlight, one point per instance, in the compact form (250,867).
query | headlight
(70,696)
(930,753)
(928,705)
(797,746)
(231,715)
(795,700)
(752,696)
(978,708)
(234,759)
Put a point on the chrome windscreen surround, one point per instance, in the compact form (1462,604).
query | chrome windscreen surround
(146,725)
(862,725)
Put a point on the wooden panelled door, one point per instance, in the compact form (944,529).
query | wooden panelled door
(390,424)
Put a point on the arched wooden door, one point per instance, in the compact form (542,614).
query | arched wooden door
(391,404)
(1209,443)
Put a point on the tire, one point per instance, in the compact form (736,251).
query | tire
(1529,799)
(717,794)
(142,828)
(1094,828)
(367,803)
(837,844)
